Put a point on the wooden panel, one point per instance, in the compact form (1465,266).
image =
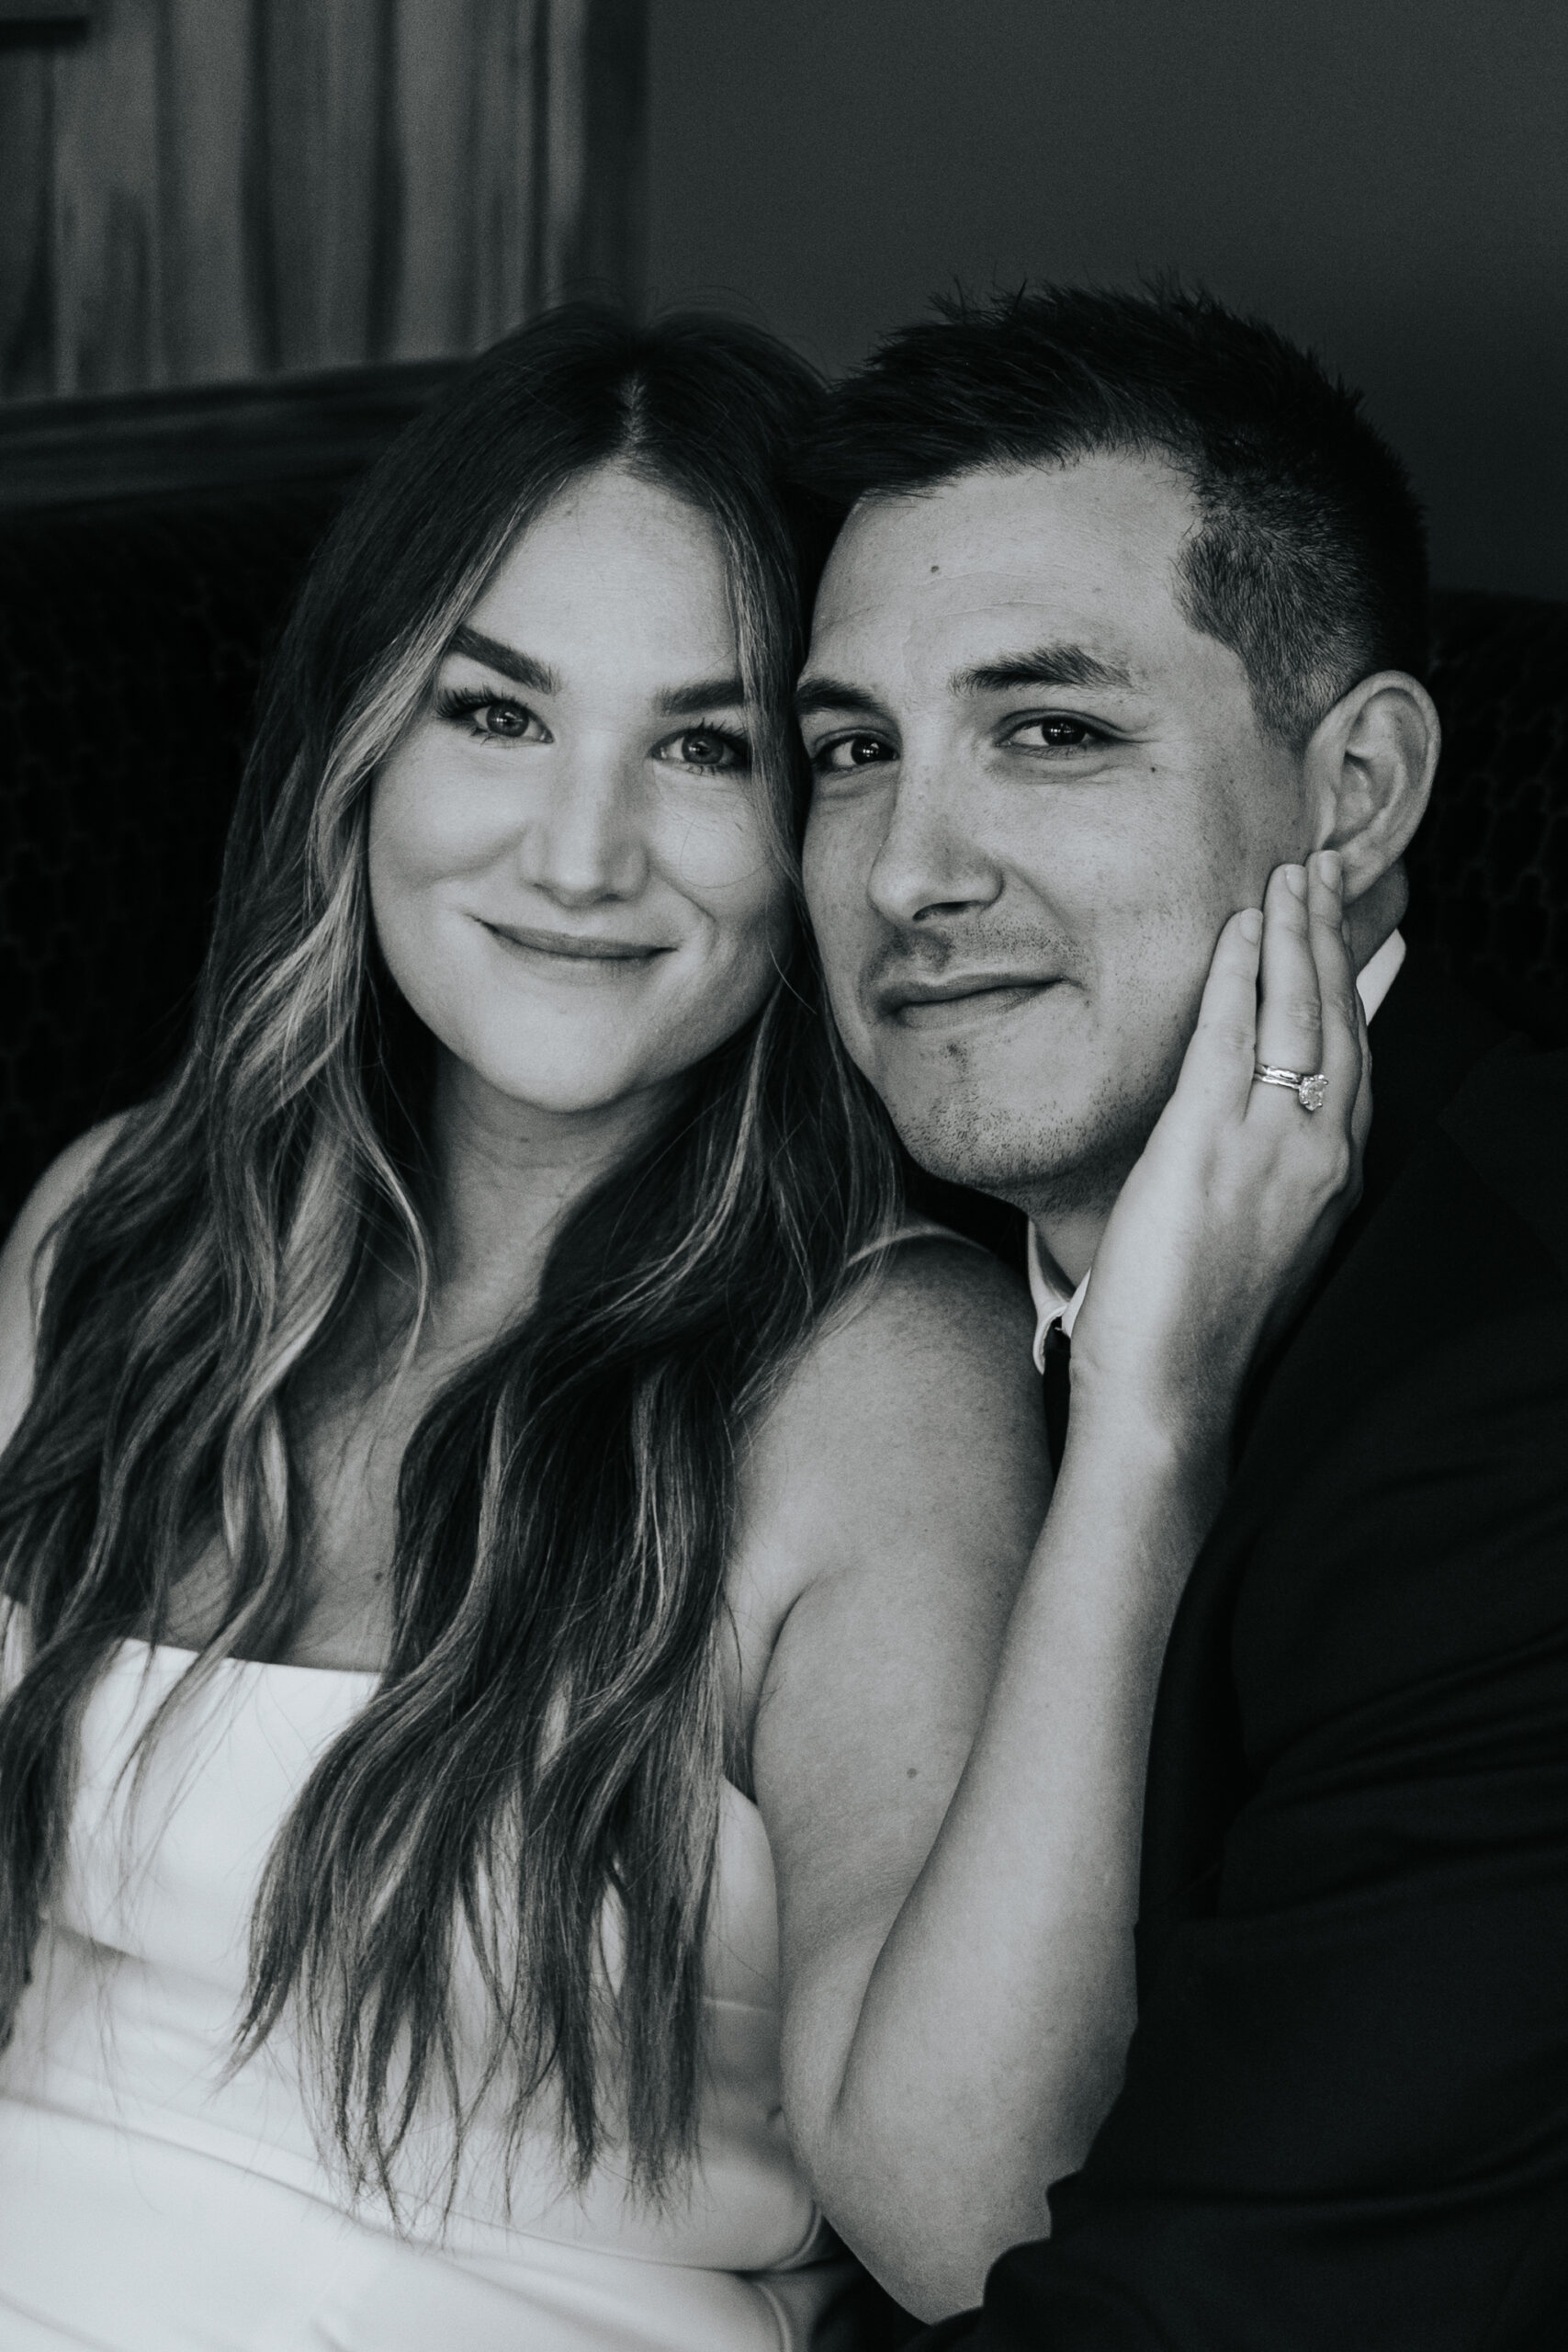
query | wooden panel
(507,132)
(327,183)
(204,190)
(27,224)
(596,87)
(209,280)
(466,137)
(108,259)
(191,440)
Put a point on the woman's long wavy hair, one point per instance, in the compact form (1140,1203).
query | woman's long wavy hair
(545,1752)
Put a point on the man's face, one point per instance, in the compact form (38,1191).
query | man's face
(1039,795)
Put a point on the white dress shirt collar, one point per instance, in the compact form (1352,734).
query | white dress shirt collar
(1052,1303)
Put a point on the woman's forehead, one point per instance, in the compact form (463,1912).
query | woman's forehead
(618,569)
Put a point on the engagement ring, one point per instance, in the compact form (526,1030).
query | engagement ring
(1311,1092)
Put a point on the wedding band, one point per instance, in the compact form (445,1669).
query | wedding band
(1310,1091)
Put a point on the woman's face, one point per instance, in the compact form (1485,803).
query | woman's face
(569,865)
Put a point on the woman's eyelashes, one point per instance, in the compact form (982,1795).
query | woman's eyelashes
(706,749)
(490,719)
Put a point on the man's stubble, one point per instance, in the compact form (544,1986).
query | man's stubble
(1047,1158)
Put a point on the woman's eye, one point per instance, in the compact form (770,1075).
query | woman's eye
(491,717)
(710,749)
(502,718)
(1053,734)
(506,722)
(841,753)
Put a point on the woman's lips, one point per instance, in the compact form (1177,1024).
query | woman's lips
(565,947)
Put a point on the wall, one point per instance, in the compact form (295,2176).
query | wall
(1386,178)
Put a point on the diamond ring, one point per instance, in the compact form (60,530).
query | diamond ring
(1310,1091)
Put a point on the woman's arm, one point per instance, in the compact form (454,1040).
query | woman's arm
(956,1935)
(957,1878)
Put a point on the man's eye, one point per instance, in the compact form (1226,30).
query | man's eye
(841,753)
(711,750)
(1053,734)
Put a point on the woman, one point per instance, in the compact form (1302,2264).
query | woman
(486,1481)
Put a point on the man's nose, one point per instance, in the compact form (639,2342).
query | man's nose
(931,862)
(583,839)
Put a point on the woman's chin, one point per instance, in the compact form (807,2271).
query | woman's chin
(581,1087)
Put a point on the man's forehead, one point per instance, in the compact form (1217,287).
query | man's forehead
(1086,548)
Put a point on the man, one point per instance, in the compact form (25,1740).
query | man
(1129,607)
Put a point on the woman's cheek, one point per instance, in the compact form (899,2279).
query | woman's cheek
(434,813)
(719,851)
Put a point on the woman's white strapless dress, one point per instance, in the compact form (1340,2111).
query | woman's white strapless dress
(150,2204)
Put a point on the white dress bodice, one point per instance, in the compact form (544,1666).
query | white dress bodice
(151,2201)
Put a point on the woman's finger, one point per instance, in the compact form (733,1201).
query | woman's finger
(1216,1071)
(1362,1115)
(1340,1059)
(1289,1022)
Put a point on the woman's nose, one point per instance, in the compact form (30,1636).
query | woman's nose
(932,860)
(584,838)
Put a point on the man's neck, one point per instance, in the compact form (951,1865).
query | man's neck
(1067,1243)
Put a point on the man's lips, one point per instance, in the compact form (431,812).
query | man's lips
(575,947)
(941,1003)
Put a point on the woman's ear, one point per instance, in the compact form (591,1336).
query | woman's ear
(1368,769)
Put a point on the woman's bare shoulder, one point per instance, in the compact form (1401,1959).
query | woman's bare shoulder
(24,1261)
(921,1396)
(941,1327)
(934,1288)
(893,1491)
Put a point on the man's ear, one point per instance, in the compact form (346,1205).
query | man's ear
(1368,770)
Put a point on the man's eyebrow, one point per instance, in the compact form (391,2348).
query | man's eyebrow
(831,693)
(509,659)
(1044,665)
(708,693)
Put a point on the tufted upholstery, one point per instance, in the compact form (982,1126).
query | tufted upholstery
(131,644)
(131,641)
(1489,869)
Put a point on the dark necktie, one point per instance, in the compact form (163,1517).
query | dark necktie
(1056,1357)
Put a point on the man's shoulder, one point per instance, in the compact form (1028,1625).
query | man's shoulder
(1465,1216)
(1402,1507)
(1395,1526)
(1509,1123)
(1465,1231)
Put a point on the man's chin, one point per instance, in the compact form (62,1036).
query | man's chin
(1007,1158)
(1034,1150)
(970,1091)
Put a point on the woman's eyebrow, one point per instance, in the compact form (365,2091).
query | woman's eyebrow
(508,659)
(676,702)
(707,694)
(1044,665)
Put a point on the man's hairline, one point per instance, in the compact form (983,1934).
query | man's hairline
(1183,468)
(927,485)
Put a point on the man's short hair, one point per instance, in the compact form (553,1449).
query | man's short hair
(1310,560)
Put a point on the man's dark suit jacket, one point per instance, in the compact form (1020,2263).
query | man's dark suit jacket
(1345,2118)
